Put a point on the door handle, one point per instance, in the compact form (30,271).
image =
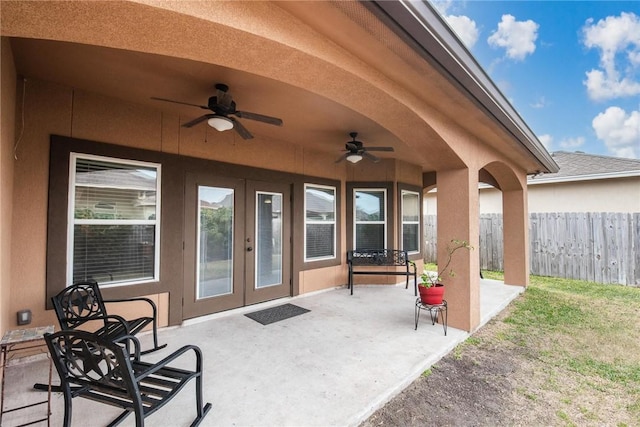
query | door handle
(249,249)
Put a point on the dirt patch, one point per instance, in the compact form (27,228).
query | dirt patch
(483,382)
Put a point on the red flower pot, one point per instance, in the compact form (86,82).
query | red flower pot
(432,295)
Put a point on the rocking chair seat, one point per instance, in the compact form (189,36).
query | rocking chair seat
(102,370)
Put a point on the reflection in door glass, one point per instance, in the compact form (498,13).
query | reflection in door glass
(268,239)
(215,241)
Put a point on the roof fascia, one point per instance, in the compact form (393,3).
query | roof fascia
(422,28)
(590,177)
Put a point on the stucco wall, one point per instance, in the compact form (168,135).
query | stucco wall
(55,109)
(607,195)
(7,139)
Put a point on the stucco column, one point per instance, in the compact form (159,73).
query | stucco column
(458,218)
(516,237)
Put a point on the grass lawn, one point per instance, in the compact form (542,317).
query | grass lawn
(580,344)
(564,353)
(585,339)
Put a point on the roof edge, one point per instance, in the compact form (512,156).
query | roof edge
(427,32)
(589,177)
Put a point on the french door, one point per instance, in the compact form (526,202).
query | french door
(237,243)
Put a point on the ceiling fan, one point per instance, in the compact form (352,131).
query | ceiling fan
(223,106)
(355,151)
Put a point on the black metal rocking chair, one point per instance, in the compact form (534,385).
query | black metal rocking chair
(82,302)
(102,370)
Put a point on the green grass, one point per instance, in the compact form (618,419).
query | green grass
(587,338)
(583,341)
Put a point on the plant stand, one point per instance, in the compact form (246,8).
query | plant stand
(434,310)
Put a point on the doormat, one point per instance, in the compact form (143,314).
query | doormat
(275,314)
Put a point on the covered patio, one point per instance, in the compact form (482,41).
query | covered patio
(334,365)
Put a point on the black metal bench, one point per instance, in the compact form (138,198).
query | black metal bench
(363,261)
(102,370)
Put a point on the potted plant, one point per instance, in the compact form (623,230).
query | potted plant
(431,287)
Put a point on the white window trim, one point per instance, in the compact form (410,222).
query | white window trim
(355,216)
(311,222)
(71,221)
(403,222)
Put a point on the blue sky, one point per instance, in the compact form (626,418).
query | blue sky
(570,68)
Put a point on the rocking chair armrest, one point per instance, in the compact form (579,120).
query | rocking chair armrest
(151,303)
(114,318)
(136,345)
(173,356)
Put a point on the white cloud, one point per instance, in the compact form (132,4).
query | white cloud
(517,37)
(619,131)
(571,144)
(541,102)
(568,144)
(618,40)
(547,141)
(465,28)
(442,5)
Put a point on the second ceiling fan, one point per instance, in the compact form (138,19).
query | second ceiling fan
(355,151)
(222,106)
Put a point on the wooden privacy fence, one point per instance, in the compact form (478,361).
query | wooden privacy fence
(599,247)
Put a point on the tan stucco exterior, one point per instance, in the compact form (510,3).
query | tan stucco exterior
(290,62)
(7,140)
(620,195)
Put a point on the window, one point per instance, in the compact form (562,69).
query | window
(114,217)
(410,221)
(319,222)
(370,218)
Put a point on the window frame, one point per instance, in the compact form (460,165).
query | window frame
(384,222)
(416,189)
(402,222)
(334,222)
(351,186)
(72,221)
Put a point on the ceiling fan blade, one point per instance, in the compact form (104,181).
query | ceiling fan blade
(198,120)
(341,158)
(378,149)
(180,102)
(242,131)
(259,117)
(371,157)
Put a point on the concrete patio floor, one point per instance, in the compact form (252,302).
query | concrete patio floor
(332,366)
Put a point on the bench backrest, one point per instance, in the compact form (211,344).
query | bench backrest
(379,257)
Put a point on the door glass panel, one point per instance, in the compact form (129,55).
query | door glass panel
(215,241)
(268,239)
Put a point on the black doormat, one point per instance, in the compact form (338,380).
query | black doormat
(275,314)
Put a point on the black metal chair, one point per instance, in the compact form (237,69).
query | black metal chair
(82,303)
(102,370)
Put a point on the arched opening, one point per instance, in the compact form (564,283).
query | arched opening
(503,223)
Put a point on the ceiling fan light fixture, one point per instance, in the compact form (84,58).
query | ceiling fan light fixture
(220,123)
(354,158)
